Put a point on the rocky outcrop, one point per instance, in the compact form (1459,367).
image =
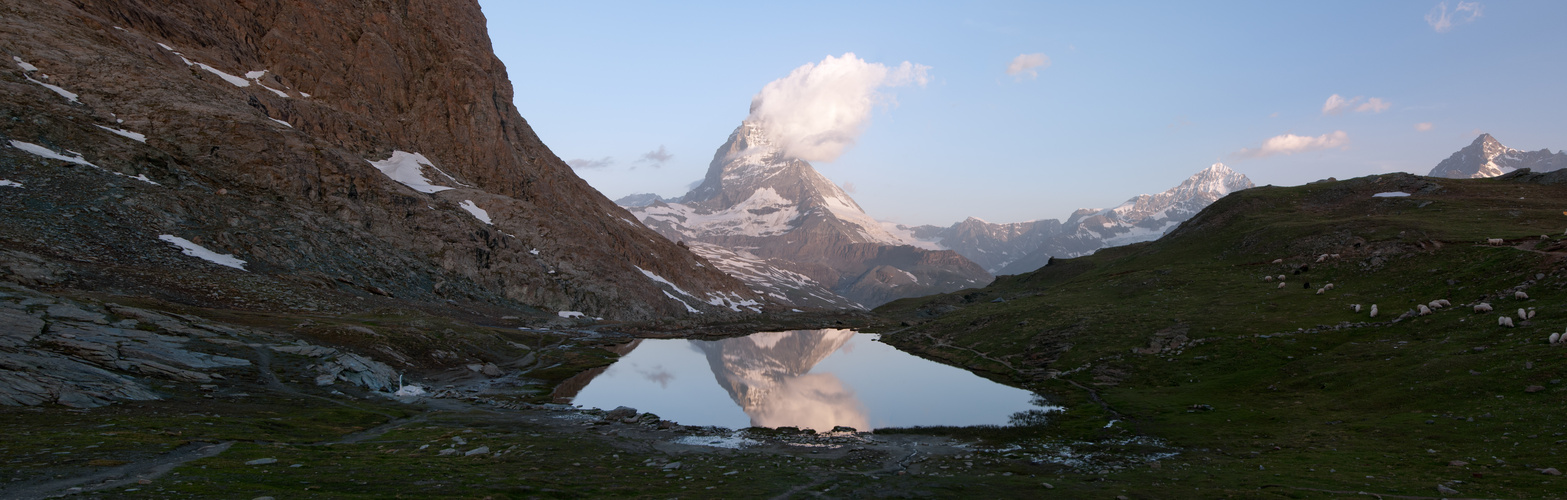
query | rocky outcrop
(344,152)
(55,350)
(1487,157)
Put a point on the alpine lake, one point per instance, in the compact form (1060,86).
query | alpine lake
(807,379)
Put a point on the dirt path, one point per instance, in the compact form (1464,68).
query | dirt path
(1369,494)
(118,476)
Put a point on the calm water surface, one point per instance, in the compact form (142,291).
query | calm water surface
(804,378)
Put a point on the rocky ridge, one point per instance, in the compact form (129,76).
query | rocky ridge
(342,153)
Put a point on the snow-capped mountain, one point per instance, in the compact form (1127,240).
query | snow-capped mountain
(1487,157)
(779,212)
(639,200)
(1021,247)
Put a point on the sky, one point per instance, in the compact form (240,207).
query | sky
(1015,111)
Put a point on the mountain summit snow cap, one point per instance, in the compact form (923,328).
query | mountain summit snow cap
(820,109)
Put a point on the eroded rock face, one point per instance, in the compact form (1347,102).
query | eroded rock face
(250,128)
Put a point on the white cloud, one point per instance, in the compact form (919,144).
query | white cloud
(1443,21)
(819,110)
(1424,126)
(1337,104)
(1374,105)
(656,157)
(1289,144)
(582,163)
(1028,64)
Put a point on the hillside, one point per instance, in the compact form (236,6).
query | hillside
(345,153)
(1183,338)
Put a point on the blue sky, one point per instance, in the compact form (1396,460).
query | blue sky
(1135,98)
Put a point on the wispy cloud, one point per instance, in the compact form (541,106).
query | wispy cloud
(1443,21)
(1424,126)
(656,157)
(820,109)
(586,164)
(848,187)
(1028,65)
(1289,144)
(1337,104)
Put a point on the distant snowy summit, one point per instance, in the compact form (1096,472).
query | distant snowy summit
(779,225)
(1487,157)
(639,200)
(1020,247)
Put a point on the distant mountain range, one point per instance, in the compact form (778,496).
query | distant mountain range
(787,231)
(1486,157)
(1021,247)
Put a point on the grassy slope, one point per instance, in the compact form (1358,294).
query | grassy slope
(1377,407)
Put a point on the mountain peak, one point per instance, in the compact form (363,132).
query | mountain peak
(1487,157)
(750,135)
(1217,168)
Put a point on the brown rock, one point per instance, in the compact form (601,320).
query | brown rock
(302,202)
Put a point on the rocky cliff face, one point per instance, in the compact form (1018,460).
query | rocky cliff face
(342,151)
(1487,157)
(1021,247)
(784,213)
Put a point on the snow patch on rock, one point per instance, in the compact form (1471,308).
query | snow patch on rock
(478,213)
(200,252)
(408,169)
(125,133)
(76,158)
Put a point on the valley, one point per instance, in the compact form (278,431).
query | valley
(313,249)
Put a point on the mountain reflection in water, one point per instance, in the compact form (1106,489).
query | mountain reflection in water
(768,375)
(814,379)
